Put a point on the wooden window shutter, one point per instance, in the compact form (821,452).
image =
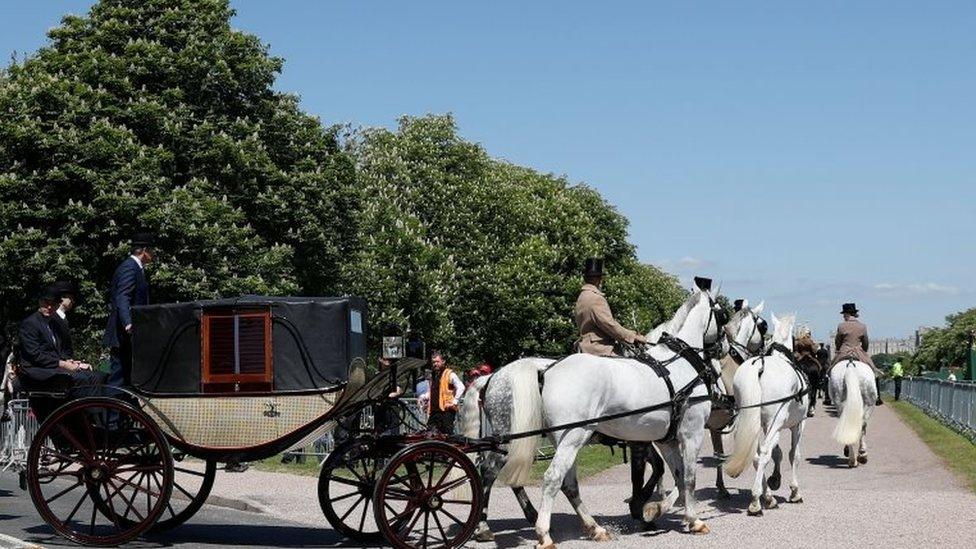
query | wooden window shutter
(236,351)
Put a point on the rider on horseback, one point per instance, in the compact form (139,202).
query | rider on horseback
(851,343)
(598,329)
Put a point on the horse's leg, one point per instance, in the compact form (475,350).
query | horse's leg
(567,448)
(862,450)
(489,471)
(759,486)
(690,441)
(571,491)
(719,453)
(776,477)
(638,456)
(796,435)
(672,457)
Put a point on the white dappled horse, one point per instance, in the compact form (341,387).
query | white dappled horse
(584,387)
(772,395)
(854,393)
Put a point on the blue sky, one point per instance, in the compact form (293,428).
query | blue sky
(803,154)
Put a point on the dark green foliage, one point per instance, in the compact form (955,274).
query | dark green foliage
(154,114)
(948,346)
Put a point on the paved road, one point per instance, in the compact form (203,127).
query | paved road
(903,497)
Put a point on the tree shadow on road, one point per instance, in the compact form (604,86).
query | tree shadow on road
(220,535)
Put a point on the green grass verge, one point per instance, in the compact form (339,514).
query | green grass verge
(590,461)
(955,450)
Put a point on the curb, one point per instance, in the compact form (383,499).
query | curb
(237,504)
(10,542)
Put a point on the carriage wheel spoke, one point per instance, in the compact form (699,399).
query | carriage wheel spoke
(344,496)
(111,507)
(84,496)
(413,522)
(63,492)
(440,528)
(457,501)
(74,442)
(347,482)
(450,485)
(178,487)
(91,526)
(440,481)
(426,527)
(362,519)
(189,471)
(451,516)
(354,505)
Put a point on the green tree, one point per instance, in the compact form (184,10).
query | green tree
(484,256)
(156,115)
(948,346)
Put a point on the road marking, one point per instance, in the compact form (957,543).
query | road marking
(10,542)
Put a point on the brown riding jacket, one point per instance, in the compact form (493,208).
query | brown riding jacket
(598,330)
(805,352)
(851,341)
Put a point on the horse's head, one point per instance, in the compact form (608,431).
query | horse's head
(699,322)
(746,330)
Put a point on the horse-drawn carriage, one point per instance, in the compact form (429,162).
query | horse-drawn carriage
(237,380)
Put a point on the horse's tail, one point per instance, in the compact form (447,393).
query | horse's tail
(471,408)
(526,416)
(748,393)
(848,429)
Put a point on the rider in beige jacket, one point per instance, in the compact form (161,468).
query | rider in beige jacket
(598,329)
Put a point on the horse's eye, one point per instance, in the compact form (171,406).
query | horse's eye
(762,326)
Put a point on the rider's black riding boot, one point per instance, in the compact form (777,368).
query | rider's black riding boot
(877,385)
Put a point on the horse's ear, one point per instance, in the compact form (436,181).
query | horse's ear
(775,321)
(759,308)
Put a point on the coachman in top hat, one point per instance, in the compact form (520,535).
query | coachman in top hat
(598,329)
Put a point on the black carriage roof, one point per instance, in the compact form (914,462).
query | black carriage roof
(314,342)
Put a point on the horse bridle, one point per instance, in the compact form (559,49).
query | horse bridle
(758,324)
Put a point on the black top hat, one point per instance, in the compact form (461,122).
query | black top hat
(49,295)
(64,287)
(703,284)
(849,309)
(142,240)
(737,304)
(593,267)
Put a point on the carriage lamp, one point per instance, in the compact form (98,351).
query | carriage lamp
(393,347)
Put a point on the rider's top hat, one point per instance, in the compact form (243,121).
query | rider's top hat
(737,304)
(849,309)
(593,267)
(142,240)
(703,284)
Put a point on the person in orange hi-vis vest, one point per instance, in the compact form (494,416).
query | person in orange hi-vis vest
(445,390)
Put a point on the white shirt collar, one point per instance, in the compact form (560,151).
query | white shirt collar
(139,263)
(61,313)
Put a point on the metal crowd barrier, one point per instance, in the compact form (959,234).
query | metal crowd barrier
(952,403)
(17,429)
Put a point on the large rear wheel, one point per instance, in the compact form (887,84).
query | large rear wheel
(99,472)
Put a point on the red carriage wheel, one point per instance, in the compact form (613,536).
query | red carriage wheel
(99,471)
(429,495)
(192,483)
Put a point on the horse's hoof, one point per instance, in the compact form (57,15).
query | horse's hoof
(550,545)
(723,494)
(699,528)
(795,496)
(770,503)
(774,481)
(863,458)
(653,510)
(600,534)
(755,509)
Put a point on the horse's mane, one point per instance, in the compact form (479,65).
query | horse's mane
(732,326)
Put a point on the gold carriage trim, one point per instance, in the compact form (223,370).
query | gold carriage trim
(236,422)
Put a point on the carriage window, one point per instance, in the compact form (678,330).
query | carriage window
(236,351)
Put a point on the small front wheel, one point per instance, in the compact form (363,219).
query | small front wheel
(429,495)
(346,484)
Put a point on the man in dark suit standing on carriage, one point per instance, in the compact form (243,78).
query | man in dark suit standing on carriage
(129,288)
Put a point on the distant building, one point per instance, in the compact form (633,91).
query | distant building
(891,345)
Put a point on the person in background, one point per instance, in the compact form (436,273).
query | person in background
(897,372)
(423,391)
(804,350)
(68,296)
(129,287)
(851,342)
(952,377)
(445,390)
